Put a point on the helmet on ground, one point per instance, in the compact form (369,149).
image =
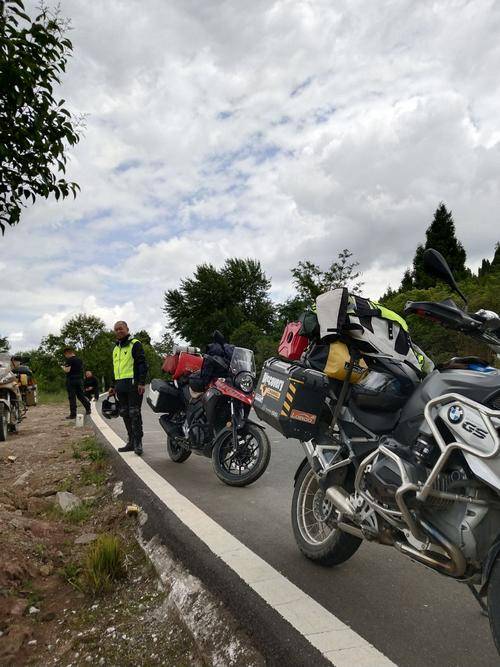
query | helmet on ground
(110,407)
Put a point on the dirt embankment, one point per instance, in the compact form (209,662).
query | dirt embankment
(56,500)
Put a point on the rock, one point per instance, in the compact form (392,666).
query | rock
(33,610)
(22,478)
(67,501)
(46,570)
(32,642)
(45,491)
(117,490)
(11,459)
(132,510)
(86,538)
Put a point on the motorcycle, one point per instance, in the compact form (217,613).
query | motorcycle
(11,405)
(415,466)
(213,421)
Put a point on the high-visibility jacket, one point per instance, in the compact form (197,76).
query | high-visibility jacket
(123,360)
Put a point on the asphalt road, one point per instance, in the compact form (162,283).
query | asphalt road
(414,616)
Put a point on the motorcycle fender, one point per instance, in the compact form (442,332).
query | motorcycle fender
(488,565)
(254,423)
(299,469)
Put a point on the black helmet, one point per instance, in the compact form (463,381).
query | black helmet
(110,408)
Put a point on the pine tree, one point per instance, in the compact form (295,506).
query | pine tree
(488,267)
(407,282)
(441,236)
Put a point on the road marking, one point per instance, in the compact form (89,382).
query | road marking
(334,639)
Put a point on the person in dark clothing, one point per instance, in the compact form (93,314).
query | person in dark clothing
(129,370)
(74,382)
(91,386)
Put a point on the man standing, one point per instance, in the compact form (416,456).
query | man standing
(129,369)
(91,386)
(74,382)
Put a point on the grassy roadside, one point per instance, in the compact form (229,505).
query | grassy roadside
(52,398)
(75,588)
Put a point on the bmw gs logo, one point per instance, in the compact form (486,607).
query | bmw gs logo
(455,414)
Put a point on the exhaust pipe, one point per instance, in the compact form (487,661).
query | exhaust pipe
(340,500)
(454,566)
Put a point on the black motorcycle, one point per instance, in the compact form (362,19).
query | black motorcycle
(207,413)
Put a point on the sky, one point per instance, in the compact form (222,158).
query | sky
(278,129)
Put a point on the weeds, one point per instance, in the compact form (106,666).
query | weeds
(78,514)
(71,573)
(92,449)
(96,477)
(66,484)
(104,564)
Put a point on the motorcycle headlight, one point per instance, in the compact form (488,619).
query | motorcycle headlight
(245,382)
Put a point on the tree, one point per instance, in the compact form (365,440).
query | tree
(81,331)
(35,127)
(490,267)
(441,236)
(4,344)
(310,280)
(220,299)
(165,345)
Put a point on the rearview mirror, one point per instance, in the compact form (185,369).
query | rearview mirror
(436,265)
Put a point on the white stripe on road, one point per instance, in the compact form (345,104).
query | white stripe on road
(335,640)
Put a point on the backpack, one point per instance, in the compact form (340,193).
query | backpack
(374,330)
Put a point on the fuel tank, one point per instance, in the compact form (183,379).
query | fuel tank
(477,385)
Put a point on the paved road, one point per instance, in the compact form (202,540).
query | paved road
(414,616)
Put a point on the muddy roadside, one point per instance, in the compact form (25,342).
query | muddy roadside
(68,595)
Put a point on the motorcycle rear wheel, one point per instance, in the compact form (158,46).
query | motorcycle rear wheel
(317,540)
(232,472)
(177,453)
(4,424)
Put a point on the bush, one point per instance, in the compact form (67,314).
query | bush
(104,564)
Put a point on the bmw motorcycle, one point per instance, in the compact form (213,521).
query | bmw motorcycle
(417,469)
(12,409)
(213,421)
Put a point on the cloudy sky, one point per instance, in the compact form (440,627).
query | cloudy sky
(281,130)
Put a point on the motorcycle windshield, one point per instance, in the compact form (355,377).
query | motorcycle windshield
(242,361)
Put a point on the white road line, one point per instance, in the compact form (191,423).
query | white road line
(333,638)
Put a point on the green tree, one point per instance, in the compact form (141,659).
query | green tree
(220,299)
(35,127)
(81,331)
(310,280)
(493,266)
(4,344)
(165,345)
(441,236)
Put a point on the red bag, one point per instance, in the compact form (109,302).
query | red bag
(170,363)
(292,346)
(188,363)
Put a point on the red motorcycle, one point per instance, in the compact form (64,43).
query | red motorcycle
(206,410)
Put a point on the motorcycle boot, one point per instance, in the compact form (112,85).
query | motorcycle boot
(138,446)
(129,447)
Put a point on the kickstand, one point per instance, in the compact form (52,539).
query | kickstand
(479,599)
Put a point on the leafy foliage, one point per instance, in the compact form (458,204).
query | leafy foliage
(310,280)
(35,127)
(4,344)
(221,299)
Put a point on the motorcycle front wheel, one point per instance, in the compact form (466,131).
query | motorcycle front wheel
(245,465)
(177,453)
(494,602)
(312,516)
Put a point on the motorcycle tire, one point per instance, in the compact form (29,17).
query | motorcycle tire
(176,453)
(4,424)
(15,419)
(335,548)
(494,602)
(264,454)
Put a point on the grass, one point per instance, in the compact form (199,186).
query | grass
(76,515)
(71,573)
(104,564)
(66,484)
(51,397)
(96,477)
(89,448)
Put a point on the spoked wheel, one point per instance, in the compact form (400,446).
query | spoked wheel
(313,522)
(242,466)
(177,453)
(4,424)
(15,418)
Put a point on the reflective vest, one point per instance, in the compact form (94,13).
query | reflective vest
(123,361)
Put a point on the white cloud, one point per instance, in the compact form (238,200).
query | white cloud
(284,132)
